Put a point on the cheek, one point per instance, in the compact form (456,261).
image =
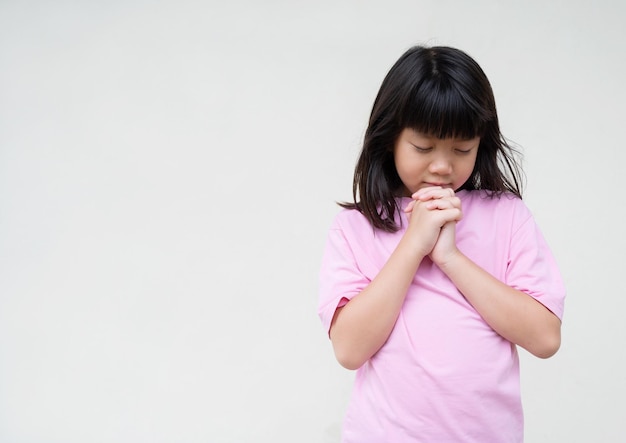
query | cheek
(469,167)
(464,170)
(410,166)
(402,162)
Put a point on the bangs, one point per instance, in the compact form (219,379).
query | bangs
(443,110)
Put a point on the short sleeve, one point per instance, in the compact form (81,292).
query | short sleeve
(340,278)
(532,268)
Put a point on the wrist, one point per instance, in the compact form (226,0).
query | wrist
(449,261)
(412,252)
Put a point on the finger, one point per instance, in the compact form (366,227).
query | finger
(443,203)
(433,193)
(437,204)
(410,206)
(455,201)
(420,194)
(445,193)
(451,217)
(446,213)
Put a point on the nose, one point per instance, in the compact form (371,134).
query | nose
(440,165)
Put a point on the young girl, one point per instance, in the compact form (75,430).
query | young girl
(437,271)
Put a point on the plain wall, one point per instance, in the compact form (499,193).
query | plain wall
(168,171)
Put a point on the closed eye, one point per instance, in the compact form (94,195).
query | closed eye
(420,149)
(463,151)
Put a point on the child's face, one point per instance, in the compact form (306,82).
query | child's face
(423,161)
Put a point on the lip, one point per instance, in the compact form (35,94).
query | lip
(443,185)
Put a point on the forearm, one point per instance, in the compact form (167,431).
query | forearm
(513,314)
(362,326)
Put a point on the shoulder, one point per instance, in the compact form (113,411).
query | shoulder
(485,199)
(355,221)
(505,206)
(350,220)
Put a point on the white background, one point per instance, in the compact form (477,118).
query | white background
(168,171)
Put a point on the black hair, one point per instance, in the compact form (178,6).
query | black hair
(439,91)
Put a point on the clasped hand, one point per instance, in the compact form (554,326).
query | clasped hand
(433,214)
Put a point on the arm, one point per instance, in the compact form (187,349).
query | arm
(360,328)
(513,314)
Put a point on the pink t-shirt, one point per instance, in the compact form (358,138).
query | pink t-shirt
(443,375)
